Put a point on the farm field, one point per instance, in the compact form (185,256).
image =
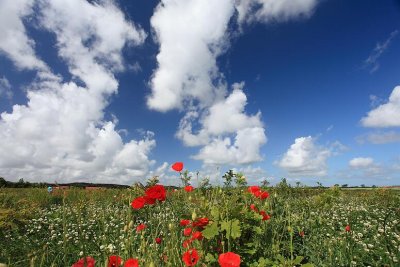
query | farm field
(279,226)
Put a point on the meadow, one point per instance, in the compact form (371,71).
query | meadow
(231,225)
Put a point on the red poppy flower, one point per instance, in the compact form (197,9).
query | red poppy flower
(189,188)
(263,195)
(114,261)
(197,235)
(347,228)
(186,243)
(156,192)
(149,200)
(253,207)
(81,262)
(190,257)
(140,227)
(253,189)
(131,263)
(187,231)
(184,222)
(229,259)
(200,222)
(177,166)
(265,215)
(158,240)
(138,203)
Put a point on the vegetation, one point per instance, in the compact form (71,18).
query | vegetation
(280,226)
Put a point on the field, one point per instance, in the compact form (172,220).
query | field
(279,226)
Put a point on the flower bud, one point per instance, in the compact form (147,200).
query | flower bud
(194,215)
(130,224)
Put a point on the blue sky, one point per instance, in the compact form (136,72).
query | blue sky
(116,91)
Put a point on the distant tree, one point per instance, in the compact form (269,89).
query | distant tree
(3,182)
(298,184)
(363,185)
(345,185)
(319,184)
(336,185)
(374,186)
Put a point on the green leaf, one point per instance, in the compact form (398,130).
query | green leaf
(298,259)
(215,213)
(232,228)
(307,265)
(210,258)
(210,231)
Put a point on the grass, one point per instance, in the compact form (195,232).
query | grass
(306,227)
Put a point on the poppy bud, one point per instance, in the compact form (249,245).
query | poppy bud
(130,224)
(190,198)
(170,226)
(194,215)
(152,264)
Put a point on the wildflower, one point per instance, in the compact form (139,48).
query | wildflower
(186,243)
(253,189)
(301,234)
(190,257)
(156,192)
(265,215)
(88,262)
(197,235)
(187,231)
(229,259)
(158,240)
(138,203)
(131,263)
(177,166)
(253,207)
(184,222)
(201,222)
(114,261)
(347,228)
(140,227)
(188,188)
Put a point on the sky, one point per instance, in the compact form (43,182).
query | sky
(116,91)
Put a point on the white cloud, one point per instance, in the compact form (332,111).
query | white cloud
(385,115)
(305,157)
(245,149)
(380,137)
(61,134)
(361,162)
(372,60)
(5,88)
(218,124)
(276,10)
(14,43)
(192,34)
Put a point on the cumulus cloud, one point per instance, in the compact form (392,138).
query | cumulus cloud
(223,120)
(366,167)
(305,157)
(61,134)
(192,34)
(5,88)
(372,61)
(385,115)
(361,162)
(380,137)
(14,42)
(277,10)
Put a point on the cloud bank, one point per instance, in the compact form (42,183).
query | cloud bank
(61,134)
(192,34)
